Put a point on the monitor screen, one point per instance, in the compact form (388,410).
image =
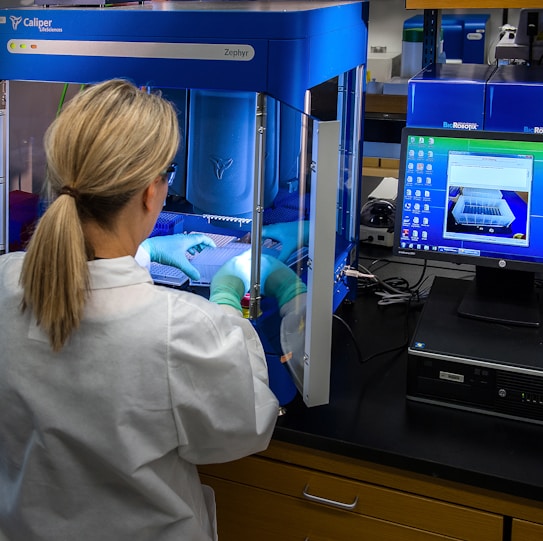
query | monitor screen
(471,197)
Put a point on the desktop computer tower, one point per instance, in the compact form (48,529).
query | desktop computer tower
(478,366)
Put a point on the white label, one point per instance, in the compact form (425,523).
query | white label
(133,49)
(450,376)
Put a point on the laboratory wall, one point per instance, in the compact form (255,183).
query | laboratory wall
(386,20)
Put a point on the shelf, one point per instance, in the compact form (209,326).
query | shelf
(391,106)
(380,167)
(386,103)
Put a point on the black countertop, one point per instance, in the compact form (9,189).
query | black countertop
(369,418)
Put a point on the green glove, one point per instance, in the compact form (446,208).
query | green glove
(292,235)
(279,280)
(170,250)
(232,281)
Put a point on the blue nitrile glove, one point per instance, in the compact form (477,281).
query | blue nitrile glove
(280,281)
(170,250)
(232,281)
(292,235)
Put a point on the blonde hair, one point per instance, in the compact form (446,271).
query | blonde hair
(108,143)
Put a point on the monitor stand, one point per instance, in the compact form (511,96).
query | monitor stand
(502,296)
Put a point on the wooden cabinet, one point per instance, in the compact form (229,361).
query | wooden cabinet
(246,513)
(294,493)
(526,531)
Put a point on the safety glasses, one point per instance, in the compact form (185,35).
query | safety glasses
(169,174)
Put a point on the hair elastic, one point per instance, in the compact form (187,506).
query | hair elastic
(68,190)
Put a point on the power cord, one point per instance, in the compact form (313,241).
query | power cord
(390,290)
(347,327)
(363,360)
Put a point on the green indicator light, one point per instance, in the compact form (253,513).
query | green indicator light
(23,45)
(12,45)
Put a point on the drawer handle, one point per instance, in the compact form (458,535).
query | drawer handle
(326,501)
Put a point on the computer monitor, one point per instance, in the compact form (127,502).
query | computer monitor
(476,197)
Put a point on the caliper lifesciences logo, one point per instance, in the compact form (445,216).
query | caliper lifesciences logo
(15,21)
(43,25)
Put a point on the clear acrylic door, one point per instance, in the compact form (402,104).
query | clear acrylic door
(260,178)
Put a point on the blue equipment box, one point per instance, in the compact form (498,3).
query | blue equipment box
(218,52)
(514,98)
(463,35)
(448,96)
(248,46)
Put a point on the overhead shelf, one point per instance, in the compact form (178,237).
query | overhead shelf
(386,103)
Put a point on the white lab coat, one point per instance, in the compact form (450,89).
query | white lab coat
(100,440)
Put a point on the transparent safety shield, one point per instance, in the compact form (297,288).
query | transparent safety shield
(248,186)
(270,185)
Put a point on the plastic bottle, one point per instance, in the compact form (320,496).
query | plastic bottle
(245,304)
(411,51)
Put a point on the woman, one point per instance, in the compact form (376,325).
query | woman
(113,389)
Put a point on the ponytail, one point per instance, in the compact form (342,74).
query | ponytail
(107,144)
(55,275)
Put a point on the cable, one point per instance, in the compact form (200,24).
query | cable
(353,273)
(419,281)
(384,352)
(392,298)
(391,290)
(351,334)
(393,293)
(422,276)
(363,360)
(62,98)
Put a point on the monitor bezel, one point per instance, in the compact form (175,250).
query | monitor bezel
(484,261)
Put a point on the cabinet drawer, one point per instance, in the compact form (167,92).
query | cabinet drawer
(246,513)
(526,531)
(365,499)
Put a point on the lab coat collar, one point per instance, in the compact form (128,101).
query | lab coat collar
(117,272)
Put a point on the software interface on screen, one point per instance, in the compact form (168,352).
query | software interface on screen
(468,196)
